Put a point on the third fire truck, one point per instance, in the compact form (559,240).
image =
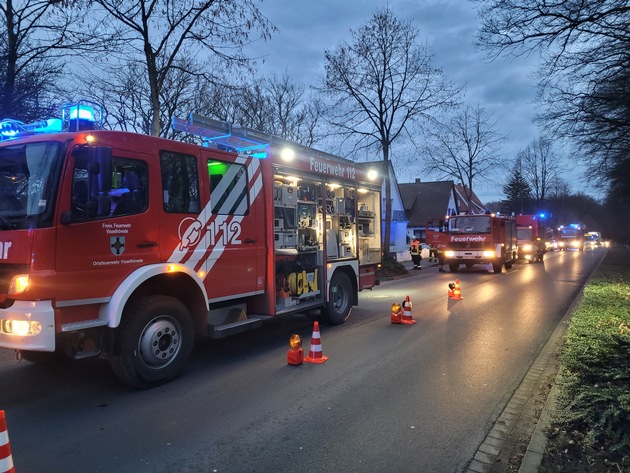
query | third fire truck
(128,246)
(481,238)
(571,237)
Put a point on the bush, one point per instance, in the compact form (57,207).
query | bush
(389,268)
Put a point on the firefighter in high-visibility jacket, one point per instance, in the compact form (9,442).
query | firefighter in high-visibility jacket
(415,251)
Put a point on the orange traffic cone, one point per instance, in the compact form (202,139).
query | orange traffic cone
(6,460)
(315,354)
(457,292)
(406,315)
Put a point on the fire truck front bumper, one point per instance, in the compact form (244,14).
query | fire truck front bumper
(28,325)
(475,255)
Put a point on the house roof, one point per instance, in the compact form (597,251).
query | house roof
(475,206)
(425,200)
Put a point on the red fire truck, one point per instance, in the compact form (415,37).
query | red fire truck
(481,238)
(530,231)
(127,246)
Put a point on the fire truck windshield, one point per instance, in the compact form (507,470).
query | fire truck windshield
(26,181)
(469,224)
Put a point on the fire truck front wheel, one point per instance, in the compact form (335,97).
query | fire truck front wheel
(339,299)
(153,341)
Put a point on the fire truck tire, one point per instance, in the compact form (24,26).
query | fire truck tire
(153,341)
(497,267)
(454,267)
(508,265)
(339,299)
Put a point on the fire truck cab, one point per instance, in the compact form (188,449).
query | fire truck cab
(481,239)
(128,246)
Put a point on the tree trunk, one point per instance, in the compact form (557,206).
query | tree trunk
(388,205)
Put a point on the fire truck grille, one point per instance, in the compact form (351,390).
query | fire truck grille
(463,246)
(7,271)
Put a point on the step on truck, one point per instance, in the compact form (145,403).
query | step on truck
(128,247)
(481,239)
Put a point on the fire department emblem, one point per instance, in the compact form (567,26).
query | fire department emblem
(117,245)
(189,233)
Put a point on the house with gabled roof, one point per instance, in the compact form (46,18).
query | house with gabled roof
(424,201)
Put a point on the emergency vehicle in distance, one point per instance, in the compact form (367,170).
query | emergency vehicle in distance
(593,239)
(128,246)
(481,238)
(571,237)
(530,231)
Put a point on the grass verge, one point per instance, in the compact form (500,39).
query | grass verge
(591,432)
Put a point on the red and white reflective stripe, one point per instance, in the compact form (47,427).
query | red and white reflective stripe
(205,254)
(316,346)
(6,460)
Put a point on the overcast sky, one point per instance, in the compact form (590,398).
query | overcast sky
(503,87)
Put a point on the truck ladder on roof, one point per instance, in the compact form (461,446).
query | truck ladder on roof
(238,138)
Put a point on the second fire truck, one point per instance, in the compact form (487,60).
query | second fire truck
(128,246)
(481,238)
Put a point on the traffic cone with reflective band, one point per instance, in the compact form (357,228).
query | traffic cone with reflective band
(457,292)
(406,315)
(6,460)
(315,354)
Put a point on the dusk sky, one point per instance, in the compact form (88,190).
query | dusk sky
(503,87)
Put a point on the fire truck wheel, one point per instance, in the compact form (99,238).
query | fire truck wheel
(153,341)
(339,299)
(497,267)
(454,267)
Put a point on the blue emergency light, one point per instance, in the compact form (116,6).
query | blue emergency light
(74,117)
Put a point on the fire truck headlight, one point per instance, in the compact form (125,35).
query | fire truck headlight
(449,253)
(527,248)
(21,328)
(489,254)
(18,284)
(575,244)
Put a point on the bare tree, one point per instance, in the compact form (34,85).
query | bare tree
(274,105)
(541,167)
(465,148)
(383,86)
(584,48)
(162,36)
(36,39)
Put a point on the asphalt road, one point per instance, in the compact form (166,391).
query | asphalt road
(391,398)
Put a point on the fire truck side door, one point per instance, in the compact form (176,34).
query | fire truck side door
(220,238)
(106,234)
